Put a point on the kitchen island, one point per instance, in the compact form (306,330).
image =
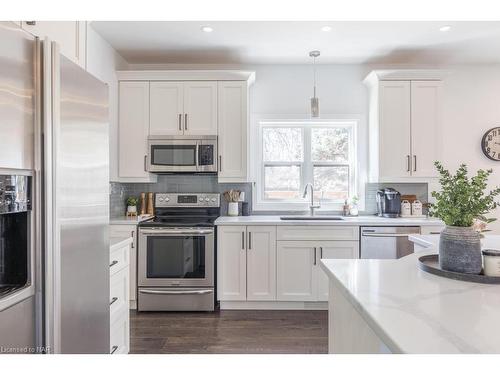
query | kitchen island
(391,306)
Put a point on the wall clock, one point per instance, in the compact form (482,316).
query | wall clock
(491,144)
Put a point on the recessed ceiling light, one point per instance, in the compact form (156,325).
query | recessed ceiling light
(445,28)
(206,29)
(326,28)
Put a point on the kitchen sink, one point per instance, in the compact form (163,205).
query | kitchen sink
(318,217)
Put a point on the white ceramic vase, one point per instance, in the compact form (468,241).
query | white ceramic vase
(232,209)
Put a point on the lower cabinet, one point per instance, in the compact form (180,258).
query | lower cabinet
(246,263)
(128,230)
(252,265)
(119,313)
(299,275)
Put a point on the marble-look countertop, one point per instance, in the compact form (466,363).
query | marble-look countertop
(412,311)
(129,220)
(118,242)
(357,220)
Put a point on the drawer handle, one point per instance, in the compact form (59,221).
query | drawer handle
(113,263)
(113,300)
(114,348)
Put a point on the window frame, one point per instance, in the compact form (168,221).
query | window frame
(306,166)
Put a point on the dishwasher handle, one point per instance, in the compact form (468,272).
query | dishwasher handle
(387,234)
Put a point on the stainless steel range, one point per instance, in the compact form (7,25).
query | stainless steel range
(175,261)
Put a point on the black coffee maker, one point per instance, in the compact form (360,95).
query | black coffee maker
(388,203)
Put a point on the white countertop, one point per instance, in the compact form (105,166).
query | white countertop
(358,220)
(129,220)
(412,311)
(118,242)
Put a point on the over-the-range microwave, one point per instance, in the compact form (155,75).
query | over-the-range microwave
(172,154)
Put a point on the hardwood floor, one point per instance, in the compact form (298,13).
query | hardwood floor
(229,331)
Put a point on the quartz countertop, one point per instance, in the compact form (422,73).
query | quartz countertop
(129,220)
(412,311)
(350,220)
(118,242)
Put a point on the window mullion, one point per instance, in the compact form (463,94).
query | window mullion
(307,165)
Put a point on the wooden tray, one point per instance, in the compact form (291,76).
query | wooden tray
(430,263)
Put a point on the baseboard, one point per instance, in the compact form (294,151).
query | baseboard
(133,305)
(272,305)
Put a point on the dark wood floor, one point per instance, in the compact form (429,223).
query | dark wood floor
(229,331)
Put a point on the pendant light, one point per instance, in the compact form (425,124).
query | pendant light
(314,99)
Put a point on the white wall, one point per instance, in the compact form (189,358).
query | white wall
(103,61)
(471,102)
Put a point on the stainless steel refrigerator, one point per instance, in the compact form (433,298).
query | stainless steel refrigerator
(63,145)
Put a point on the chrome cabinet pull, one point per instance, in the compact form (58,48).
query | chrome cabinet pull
(407,163)
(242,240)
(185,121)
(249,240)
(31,23)
(314,256)
(220,163)
(414,163)
(113,349)
(180,121)
(115,262)
(321,253)
(132,235)
(145,163)
(113,300)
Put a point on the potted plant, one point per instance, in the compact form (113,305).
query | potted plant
(132,205)
(462,201)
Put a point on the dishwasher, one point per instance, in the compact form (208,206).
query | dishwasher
(386,242)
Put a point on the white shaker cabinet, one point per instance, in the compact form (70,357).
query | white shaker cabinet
(70,35)
(296,274)
(231,263)
(166,108)
(233,131)
(200,108)
(133,125)
(425,127)
(246,265)
(261,263)
(405,127)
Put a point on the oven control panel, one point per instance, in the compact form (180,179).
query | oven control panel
(187,200)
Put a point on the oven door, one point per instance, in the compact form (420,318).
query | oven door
(173,156)
(176,257)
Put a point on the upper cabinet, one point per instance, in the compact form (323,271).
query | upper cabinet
(184,103)
(405,125)
(70,35)
(183,108)
(233,131)
(133,131)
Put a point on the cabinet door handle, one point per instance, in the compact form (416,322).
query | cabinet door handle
(132,235)
(320,253)
(414,163)
(113,263)
(180,121)
(113,300)
(407,163)
(185,121)
(242,240)
(314,262)
(220,163)
(145,163)
(31,23)
(249,240)
(113,349)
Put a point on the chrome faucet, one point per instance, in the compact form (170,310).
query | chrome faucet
(312,206)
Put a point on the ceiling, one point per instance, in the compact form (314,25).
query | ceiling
(289,42)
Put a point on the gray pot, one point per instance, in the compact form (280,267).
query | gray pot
(460,250)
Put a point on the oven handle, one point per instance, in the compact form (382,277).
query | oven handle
(176,231)
(176,292)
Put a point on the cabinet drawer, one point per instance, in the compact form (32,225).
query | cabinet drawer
(119,230)
(118,292)
(316,232)
(119,334)
(118,260)
(431,229)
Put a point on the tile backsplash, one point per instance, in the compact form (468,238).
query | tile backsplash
(119,192)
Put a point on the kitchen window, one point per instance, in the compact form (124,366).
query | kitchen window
(294,153)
